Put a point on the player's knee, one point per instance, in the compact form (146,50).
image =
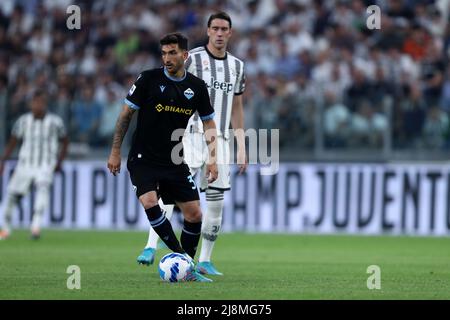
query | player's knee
(15,197)
(193,214)
(148,200)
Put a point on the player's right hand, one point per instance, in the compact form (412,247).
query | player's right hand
(114,163)
(212,172)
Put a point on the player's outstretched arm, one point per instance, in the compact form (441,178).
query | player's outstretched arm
(237,123)
(211,140)
(63,152)
(8,151)
(122,124)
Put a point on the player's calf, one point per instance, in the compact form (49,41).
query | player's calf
(190,235)
(163,228)
(210,230)
(191,211)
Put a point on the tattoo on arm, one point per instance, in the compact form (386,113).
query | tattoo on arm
(210,134)
(121,128)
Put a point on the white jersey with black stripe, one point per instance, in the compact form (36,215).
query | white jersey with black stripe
(224,77)
(40,140)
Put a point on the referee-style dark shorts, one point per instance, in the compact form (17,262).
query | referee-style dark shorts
(172,183)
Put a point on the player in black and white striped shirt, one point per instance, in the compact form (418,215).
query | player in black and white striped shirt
(40,155)
(225,78)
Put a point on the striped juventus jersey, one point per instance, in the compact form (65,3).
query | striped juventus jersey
(224,78)
(40,139)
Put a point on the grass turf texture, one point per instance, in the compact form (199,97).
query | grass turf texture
(256,266)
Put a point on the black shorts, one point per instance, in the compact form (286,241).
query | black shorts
(172,183)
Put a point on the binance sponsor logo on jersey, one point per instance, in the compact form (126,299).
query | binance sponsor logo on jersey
(161,108)
(226,87)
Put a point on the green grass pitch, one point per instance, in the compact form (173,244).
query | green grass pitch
(256,266)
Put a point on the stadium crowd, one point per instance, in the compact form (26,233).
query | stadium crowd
(308,63)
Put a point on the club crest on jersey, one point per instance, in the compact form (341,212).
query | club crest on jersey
(188,93)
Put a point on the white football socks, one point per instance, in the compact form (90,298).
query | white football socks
(37,220)
(152,235)
(42,201)
(211,224)
(11,203)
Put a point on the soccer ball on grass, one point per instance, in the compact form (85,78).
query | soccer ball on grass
(174,267)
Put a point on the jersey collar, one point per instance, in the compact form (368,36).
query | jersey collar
(173,78)
(213,56)
(39,118)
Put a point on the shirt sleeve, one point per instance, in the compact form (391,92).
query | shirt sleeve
(60,128)
(204,108)
(19,128)
(137,95)
(189,65)
(240,83)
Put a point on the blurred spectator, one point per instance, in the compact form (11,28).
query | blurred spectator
(298,38)
(436,128)
(445,100)
(336,122)
(86,117)
(416,43)
(271,102)
(359,90)
(287,65)
(40,43)
(367,126)
(127,44)
(412,112)
(300,57)
(113,107)
(381,89)
(398,9)
(432,74)
(61,104)
(103,39)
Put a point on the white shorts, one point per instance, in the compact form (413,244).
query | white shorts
(23,177)
(196,155)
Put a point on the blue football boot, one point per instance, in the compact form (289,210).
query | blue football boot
(147,256)
(193,275)
(206,267)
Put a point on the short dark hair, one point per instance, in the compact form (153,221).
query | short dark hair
(219,15)
(175,38)
(39,93)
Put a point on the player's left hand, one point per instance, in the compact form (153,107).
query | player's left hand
(242,161)
(114,163)
(58,167)
(212,172)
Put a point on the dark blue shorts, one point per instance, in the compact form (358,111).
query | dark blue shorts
(172,183)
